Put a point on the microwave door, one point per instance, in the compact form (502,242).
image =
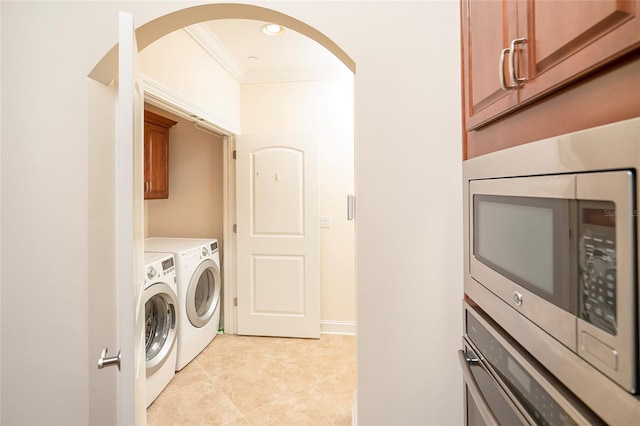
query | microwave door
(606,259)
(520,241)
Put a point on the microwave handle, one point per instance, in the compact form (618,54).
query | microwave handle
(474,389)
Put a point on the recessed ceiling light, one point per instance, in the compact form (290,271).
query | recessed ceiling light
(252,58)
(274,30)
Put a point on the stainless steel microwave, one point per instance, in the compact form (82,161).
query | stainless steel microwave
(551,249)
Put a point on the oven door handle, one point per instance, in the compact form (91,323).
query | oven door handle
(474,389)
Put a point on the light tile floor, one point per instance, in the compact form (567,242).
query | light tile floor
(242,380)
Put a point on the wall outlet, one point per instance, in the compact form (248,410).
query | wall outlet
(325,221)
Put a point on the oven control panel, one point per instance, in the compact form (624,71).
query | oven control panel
(597,265)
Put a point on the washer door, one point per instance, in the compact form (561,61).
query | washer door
(203,294)
(160,315)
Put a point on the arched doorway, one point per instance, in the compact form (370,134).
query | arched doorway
(105,72)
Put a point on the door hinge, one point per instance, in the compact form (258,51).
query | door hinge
(234,154)
(235,301)
(235,228)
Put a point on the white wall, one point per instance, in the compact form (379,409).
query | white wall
(408,174)
(209,86)
(324,108)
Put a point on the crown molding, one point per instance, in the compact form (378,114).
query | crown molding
(202,35)
(158,95)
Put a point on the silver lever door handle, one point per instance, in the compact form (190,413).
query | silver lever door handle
(512,62)
(503,82)
(103,361)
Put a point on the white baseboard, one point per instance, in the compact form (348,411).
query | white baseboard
(338,327)
(354,409)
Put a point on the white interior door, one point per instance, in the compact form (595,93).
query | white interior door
(130,227)
(278,244)
(116,314)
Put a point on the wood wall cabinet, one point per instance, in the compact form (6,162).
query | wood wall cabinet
(156,155)
(547,45)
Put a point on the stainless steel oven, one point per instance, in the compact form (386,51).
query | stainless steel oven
(551,255)
(504,385)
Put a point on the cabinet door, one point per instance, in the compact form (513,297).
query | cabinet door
(487,28)
(156,161)
(568,39)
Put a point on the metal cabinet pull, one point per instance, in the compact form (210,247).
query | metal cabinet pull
(512,62)
(503,82)
(103,361)
(474,390)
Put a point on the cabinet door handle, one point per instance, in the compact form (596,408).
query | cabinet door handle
(512,62)
(503,82)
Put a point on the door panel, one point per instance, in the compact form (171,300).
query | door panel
(487,28)
(559,50)
(278,262)
(129,228)
(277,183)
(278,285)
(116,311)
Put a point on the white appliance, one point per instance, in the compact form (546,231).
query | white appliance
(199,285)
(161,311)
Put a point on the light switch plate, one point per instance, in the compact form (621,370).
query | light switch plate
(325,221)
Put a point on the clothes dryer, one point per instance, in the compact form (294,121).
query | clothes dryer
(161,313)
(199,285)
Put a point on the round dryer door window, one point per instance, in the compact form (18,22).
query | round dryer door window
(203,294)
(160,325)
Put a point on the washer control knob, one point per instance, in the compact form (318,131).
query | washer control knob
(151,272)
(517,297)
(205,251)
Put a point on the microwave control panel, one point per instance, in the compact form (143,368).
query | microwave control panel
(597,263)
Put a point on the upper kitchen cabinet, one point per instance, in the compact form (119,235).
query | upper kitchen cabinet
(516,52)
(487,26)
(156,155)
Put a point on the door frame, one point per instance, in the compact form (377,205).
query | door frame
(230,246)
(159,96)
(106,71)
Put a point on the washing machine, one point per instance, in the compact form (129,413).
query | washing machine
(199,285)
(161,315)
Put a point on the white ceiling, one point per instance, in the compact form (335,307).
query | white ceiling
(291,56)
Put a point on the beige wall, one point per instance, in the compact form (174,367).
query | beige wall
(324,108)
(194,206)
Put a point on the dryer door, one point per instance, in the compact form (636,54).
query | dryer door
(203,294)
(161,315)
